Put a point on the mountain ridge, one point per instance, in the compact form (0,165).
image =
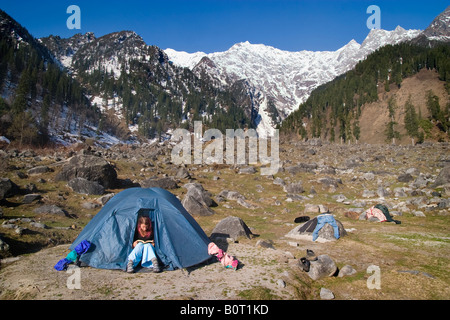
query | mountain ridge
(287,78)
(260,84)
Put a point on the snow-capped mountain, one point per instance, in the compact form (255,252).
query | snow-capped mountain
(65,49)
(438,31)
(284,77)
(141,88)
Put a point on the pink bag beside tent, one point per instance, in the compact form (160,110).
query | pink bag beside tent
(227,260)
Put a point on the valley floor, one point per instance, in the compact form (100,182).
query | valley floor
(412,257)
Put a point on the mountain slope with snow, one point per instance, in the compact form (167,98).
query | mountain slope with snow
(286,77)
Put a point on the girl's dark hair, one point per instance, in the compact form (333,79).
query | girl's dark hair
(144,219)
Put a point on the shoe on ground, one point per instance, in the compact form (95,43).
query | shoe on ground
(130,268)
(156,267)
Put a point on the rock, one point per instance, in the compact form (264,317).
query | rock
(323,267)
(382,192)
(368,176)
(420,182)
(265,244)
(231,195)
(194,207)
(91,168)
(415,272)
(245,170)
(330,182)
(352,214)
(90,205)
(8,225)
(21,175)
(279,181)
(51,209)
(327,232)
(326,294)
(413,171)
(418,213)
(311,208)
(104,199)
(346,270)
(29,198)
(406,177)
(197,200)
(246,204)
(400,193)
(354,162)
(81,185)
(281,283)
(38,225)
(236,196)
(442,178)
(39,170)
(164,183)
(4,247)
(197,191)
(339,198)
(19,230)
(30,188)
(231,227)
(8,188)
(182,173)
(368,194)
(294,188)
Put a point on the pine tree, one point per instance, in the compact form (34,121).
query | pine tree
(23,128)
(411,120)
(391,133)
(20,103)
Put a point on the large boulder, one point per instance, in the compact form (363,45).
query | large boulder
(8,188)
(194,207)
(326,233)
(91,168)
(295,188)
(197,200)
(231,227)
(443,177)
(81,185)
(197,191)
(323,267)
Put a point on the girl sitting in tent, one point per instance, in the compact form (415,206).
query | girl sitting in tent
(143,250)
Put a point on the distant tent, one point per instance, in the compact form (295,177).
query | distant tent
(179,241)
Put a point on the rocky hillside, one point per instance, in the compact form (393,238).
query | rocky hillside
(138,85)
(39,102)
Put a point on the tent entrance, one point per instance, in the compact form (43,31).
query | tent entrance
(144,212)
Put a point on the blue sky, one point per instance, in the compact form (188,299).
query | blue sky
(215,25)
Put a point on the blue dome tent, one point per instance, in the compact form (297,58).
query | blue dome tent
(179,240)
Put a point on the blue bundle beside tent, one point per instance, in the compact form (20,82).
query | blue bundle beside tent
(179,240)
